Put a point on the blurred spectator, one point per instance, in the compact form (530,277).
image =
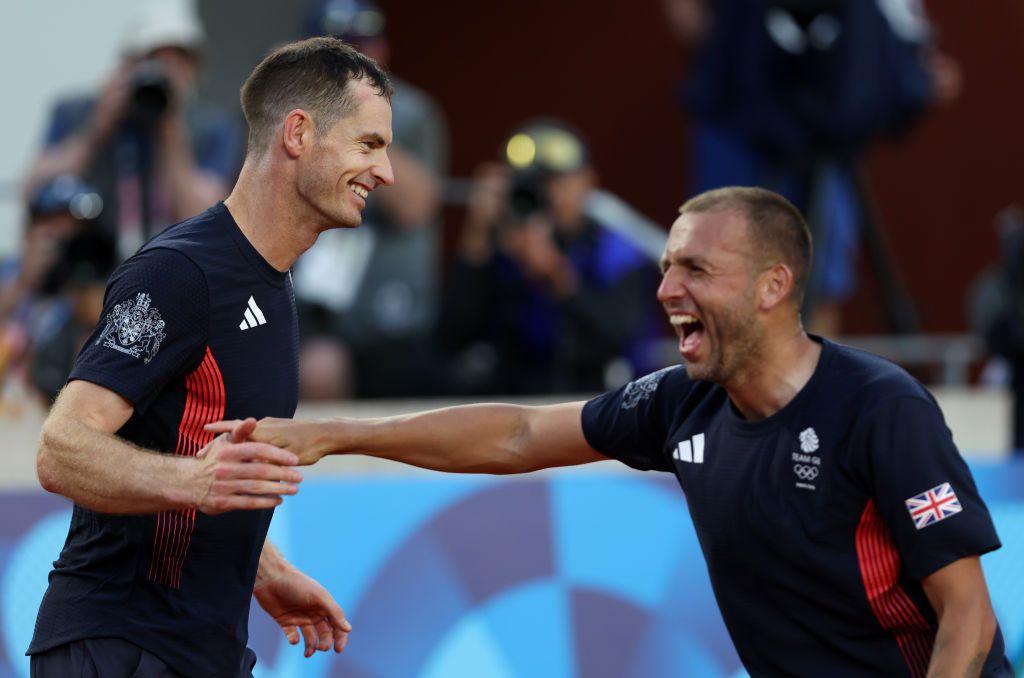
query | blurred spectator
(368,297)
(156,154)
(38,301)
(997,310)
(542,298)
(787,94)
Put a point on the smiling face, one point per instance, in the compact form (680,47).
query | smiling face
(708,291)
(349,161)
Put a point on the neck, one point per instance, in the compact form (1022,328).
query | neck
(262,203)
(775,376)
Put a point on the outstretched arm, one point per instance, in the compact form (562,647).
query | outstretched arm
(967,624)
(80,457)
(491,438)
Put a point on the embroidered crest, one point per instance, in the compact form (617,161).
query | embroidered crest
(134,328)
(809,440)
(642,388)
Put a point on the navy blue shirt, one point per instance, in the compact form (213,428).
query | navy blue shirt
(817,523)
(196,327)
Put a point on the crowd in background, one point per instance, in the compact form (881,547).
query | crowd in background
(541,292)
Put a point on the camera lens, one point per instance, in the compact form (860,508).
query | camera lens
(151,92)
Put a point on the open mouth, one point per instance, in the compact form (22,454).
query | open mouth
(690,330)
(359,190)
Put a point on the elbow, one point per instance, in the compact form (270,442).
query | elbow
(47,468)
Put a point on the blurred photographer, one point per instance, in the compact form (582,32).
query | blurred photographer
(155,154)
(367,297)
(61,243)
(542,297)
(996,307)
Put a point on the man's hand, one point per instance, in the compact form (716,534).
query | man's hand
(234,472)
(299,604)
(287,434)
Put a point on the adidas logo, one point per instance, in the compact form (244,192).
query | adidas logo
(253,316)
(691,450)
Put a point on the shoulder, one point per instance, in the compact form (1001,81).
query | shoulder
(870,377)
(177,257)
(195,238)
(667,386)
(69,114)
(867,389)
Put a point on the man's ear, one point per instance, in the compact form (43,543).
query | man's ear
(774,286)
(297,132)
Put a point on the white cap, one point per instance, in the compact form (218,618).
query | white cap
(163,23)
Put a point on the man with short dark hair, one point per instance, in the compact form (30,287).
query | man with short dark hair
(842,530)
(168,533)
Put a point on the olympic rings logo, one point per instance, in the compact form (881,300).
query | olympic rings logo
(805,472)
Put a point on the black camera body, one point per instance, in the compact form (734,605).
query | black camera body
(150,93)
(527,194)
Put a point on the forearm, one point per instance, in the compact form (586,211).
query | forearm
(104,473)
(488,438)
(963,641)
(272,565)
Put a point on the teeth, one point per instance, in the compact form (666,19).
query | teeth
(360,191)
(682,319)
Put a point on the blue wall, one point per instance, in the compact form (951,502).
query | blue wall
(445,576)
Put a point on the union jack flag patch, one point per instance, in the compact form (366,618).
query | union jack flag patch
(936,504)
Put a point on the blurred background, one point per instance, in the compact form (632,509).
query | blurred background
(541,152)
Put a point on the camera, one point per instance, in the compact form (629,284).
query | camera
(150,93)
(538,151)
(527,195)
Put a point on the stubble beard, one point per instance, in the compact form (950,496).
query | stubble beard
(737,346)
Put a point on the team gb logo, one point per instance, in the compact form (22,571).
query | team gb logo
(808,440)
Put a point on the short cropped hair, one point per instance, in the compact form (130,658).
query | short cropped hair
(309,74)
(777,230)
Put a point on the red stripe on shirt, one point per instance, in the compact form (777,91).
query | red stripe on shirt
(895,611)
(205,400)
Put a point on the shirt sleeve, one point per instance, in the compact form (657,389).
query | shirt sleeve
(631,424)
(154,327)
(923,488)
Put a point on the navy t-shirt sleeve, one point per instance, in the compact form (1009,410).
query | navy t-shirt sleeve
(923,488)
(631,423)
(154,327)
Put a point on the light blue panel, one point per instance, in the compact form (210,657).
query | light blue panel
(624,536)
(534,627)
(525,632)
(24,583)
(469,651)
(1003,572)
(342,531)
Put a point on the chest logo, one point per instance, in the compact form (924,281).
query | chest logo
(253,316)
(807,465)
(809,440)
(936,504)
(134,328)
(690,451)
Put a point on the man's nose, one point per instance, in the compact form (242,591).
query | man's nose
(383,173)
(671,287)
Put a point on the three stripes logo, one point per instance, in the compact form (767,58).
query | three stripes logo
(253,316)
(691,451)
